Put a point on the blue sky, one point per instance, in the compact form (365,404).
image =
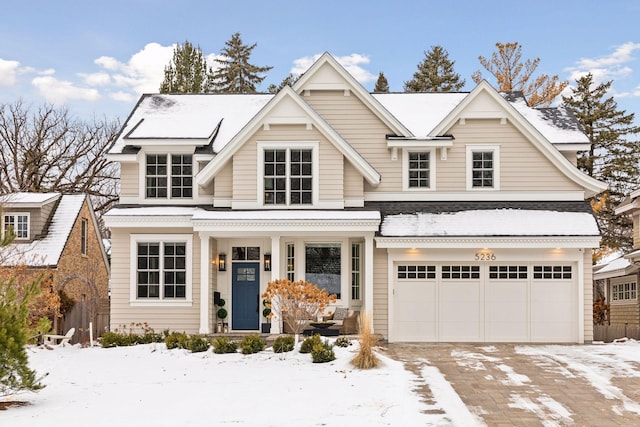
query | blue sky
(98,57)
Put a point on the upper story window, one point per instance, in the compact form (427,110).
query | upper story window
(483,167)
(419,170)
(288,176)
(169,175)
(83,236)
(17,223)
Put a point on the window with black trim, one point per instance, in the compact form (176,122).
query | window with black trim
(288,176)
(416,272)
(499,272)
(169,175)
(83,236)
(554,272)
(460,272)
(161,270)
(482,169)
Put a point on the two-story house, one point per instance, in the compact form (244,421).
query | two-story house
(618,279)
(58,234)
(447,216)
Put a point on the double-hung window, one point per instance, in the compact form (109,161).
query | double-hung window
(18,224)
(288,176)
(169,175)
(419,170)
(161,270)
(624,291)
(483,167)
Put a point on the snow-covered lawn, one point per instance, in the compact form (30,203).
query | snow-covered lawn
(150,385)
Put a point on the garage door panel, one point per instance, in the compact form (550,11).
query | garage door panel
(553,311)
(415,311)
(460,311)
(506,311)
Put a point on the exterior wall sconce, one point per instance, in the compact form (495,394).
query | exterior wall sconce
(267,262)
(222,262)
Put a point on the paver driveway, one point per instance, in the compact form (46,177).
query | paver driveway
(532,385)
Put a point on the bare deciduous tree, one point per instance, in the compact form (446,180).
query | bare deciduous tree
(46,149)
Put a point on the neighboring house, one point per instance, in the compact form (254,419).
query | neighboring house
(448,216)
(618,279)
(59,234)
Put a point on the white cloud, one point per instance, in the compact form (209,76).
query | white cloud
(122,96)
(352,63)
(143,72)
(96,79)
(59,91)
(609,67)
(8,72)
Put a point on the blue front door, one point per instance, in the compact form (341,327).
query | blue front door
(245,296)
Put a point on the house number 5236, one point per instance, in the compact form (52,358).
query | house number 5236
(483,256)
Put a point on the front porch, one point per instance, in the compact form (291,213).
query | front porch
(240,255)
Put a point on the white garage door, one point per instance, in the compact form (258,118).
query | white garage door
(450,302)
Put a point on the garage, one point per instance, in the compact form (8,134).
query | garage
(476,302)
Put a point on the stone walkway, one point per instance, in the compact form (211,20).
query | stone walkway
(530,385)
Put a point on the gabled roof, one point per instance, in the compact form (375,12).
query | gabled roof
(522,119)
(310,117)
(46,252)
(348,82)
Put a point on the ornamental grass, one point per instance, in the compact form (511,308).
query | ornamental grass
(366,358)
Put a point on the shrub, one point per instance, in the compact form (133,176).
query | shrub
(283,344)
(343,342)
(198,343)
(114,339)
(252,344)
(309,343)
(223,345)
(366,358)
(322,352)
(176,340)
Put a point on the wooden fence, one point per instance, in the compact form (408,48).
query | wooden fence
(95,311)
(609,333)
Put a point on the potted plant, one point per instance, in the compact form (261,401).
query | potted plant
(266,325)
(221,314)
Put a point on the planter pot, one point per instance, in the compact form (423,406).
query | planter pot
(266,328)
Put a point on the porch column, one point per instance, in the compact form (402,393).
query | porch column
(368,276)
(205,268)
(275,274)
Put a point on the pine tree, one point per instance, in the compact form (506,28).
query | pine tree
(382,85)
(236,74)
(435,74)
(514,75)
(187,72)
(290,80)
(15,374)
(613,157)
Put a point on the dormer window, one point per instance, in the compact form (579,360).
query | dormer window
(18,223)
(169,175)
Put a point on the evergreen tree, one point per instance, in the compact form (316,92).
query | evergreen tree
(290,80)
(614,157)
(514,75)
(236,74)
(382,85)
(187,72)
(435,74)
(15,374)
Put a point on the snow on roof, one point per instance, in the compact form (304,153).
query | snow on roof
(554,124)
(617,264)
(496,222)
(47,251)
(288,215)
(420,112)
(189,117)
(199,214)
(21,199)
